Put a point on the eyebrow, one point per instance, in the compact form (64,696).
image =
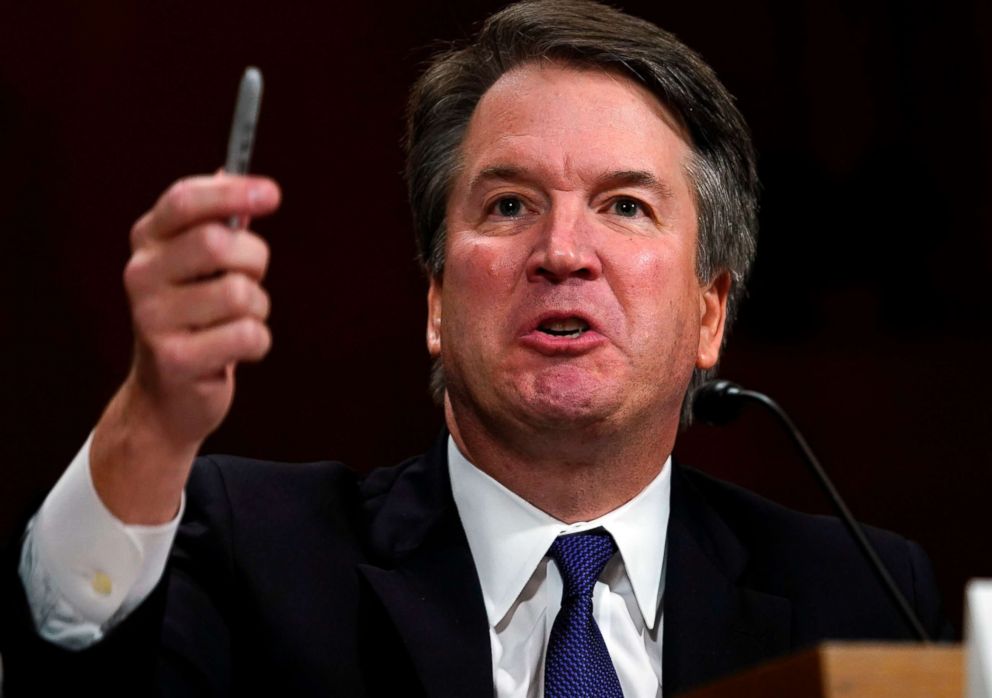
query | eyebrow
(611,180)
(498,173)
(638,178)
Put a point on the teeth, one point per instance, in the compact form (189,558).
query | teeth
(571,327)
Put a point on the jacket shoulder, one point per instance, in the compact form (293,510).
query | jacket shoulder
(815,561)
(250,484)
(760,522)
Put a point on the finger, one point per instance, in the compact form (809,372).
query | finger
(203,251)
(195,355)
(213,248)
(203,304)
(198,199)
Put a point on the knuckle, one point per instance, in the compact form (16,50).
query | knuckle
(253,336)
(136,271)
(138,234)
(213,244)
(262,339)
(176,200)
(264,304)
(172,355)
(263,245)
(252,253)
(246,332)
(238,292)
(264,254)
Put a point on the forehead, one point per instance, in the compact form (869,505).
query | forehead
(573,123)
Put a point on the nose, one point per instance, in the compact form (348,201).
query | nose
(564,250)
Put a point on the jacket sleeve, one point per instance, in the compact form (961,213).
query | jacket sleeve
(183,653)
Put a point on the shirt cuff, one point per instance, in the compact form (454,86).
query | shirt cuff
(97,568)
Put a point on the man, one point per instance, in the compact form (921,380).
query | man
(584,194)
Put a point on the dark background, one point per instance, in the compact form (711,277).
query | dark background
(868,316)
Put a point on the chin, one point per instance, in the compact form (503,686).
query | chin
(568,402)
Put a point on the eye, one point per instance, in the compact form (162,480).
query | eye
(509,206)
(628,208)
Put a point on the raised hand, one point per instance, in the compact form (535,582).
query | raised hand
(198,308)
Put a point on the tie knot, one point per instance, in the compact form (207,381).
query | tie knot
(581,558)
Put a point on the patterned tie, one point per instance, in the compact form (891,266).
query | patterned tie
(578,664)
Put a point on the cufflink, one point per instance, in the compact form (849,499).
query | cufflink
(101,584)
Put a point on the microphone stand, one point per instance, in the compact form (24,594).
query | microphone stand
(730,391)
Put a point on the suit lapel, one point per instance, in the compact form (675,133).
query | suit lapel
(714,624)
(425,578)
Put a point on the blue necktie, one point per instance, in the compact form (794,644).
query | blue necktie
(577,664)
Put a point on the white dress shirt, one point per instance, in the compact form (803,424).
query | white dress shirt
(521,586)
(84,571)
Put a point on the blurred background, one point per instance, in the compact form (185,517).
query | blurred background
(868,316)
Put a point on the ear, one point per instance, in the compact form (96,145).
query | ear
(712,318)
(434,316)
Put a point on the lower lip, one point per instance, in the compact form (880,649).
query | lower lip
(549,345)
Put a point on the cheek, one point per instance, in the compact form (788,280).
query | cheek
(485,268)
(479,277)
(648,267)
(661,274)
(659,289)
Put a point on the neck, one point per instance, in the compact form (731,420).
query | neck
(574,475)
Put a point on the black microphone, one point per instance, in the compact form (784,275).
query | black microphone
(719,402)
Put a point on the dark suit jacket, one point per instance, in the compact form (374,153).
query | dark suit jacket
(304,579)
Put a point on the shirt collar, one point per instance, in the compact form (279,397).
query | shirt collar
(508,536)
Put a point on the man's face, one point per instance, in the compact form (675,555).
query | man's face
(569,298)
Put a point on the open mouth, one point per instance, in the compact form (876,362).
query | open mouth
(569,327)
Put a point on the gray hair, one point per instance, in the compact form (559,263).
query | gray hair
(722,171)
